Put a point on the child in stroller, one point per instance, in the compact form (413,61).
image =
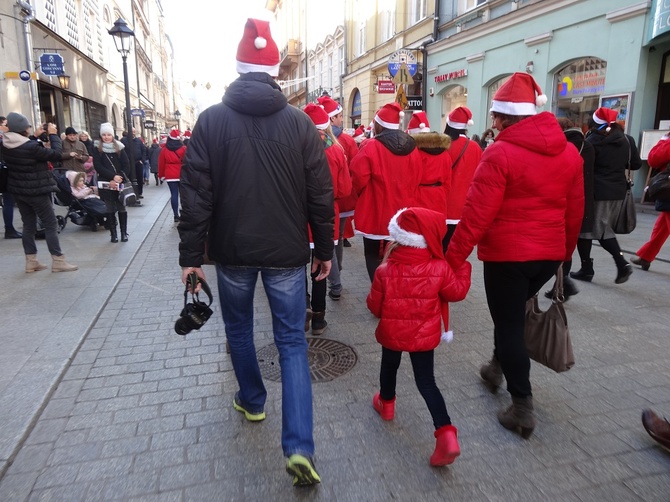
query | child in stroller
(84,207)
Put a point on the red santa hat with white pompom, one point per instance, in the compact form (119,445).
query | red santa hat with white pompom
(257,51)
(460,118)
(520,95)
(389,116)
(418,123)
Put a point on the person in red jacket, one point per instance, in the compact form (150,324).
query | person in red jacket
(337,162)
(410,295)
(524,220)
(433,151)
(385,175)
(465,155)
(659,157)
(169,167)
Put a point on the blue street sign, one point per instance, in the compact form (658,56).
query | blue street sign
(24,75)
(136,112)
(398,58)
(52,64)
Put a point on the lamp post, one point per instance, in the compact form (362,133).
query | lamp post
(177,116)
(122,39)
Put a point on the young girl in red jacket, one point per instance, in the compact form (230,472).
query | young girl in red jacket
(410,294)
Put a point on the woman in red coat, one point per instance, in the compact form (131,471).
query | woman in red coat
(524,220)
(410,295)
(169,167)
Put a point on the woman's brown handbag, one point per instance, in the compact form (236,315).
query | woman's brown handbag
(546,333)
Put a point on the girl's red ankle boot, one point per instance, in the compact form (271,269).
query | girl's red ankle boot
(386,409)
(446,446)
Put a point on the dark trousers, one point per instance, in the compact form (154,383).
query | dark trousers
(317,301)
(374,253)
(31,208)
(422,365)
(174,197)
(139,177)
(508,286)
(451,228)
(8,211)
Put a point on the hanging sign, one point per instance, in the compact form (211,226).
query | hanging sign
(385,87)
(52,64)
(400,57)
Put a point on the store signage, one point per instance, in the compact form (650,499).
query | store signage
(385,87)
(52,64)
(659,18)
(415,102)
(136,112)
(149,124)
(580,83)
(451,75)
(400,57)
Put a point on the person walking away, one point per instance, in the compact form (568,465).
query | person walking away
(31,183)
(615,152)
(113,167)
(385,176)
(139,156)
(575,136)
(410,294)
(75,154)
(255,175)
(659,157)
(169,167)
(7,198)
(435,162)
(339,172)
(465,155)
(154,152)
(524,220)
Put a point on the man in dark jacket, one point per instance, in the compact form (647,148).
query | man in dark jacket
(139,156)
(254,176)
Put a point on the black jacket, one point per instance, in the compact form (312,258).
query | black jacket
(612,153)
(254,175)
(154,152)
(26,159)
(588,153)
(139,150)
(108,165)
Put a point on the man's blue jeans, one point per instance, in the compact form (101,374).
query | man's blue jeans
(285,290)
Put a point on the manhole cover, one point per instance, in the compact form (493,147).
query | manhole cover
(328,359)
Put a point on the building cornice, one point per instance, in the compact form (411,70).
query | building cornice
(628,12)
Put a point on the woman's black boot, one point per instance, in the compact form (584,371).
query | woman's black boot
(123,224)
(585,273)
(111,224)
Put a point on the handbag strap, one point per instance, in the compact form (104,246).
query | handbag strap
(558,296)
(460,154)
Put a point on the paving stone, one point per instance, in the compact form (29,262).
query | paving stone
(185,475)
(159,459)
(96,470)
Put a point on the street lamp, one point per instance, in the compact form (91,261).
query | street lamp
(123,37)
(177,116)
(64,81)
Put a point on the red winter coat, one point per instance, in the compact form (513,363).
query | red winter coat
(435,162)
(169,160)
(659,155)
(526,199)
(461,175)
(350,150)
(410,293)
(385,175)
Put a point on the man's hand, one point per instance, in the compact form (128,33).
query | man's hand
(325,268)
(185,271)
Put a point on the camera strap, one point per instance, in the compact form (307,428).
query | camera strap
(191,282)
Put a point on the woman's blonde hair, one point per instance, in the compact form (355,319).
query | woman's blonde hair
(389,249)
(84,132)
(329,132)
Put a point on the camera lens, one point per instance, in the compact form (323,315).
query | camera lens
(181,327)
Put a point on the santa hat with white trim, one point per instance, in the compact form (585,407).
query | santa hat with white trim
(460,118)
(331,106)
(318,116)
(520,95)
(389,116)
(604,116)
(419,227)
(257,51)
(418,123)
(359,132)
(175,134)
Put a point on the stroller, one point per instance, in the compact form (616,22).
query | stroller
(84,212)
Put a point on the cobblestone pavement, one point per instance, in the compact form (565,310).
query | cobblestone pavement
(142,414)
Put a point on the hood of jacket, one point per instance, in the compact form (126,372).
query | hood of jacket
(600,139)
(14,139)
(255,94)
(396,141)
(173,144)
(433,143)
(535,133)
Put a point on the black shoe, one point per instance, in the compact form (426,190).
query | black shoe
(140,196)
(334,296)
(137,204)
(13,234)
(623,274)
(176,219)
(641,262)
(346,243)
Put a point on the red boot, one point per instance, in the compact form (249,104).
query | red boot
(446,446)
(386,409)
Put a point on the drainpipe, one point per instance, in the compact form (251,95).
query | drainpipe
(29,14)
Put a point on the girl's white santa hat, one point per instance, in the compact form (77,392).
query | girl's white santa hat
(520,95)
(418,123)
(318,116)
(257,51)
(460,118)
(389,116)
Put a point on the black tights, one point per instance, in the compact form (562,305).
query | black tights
(610,245)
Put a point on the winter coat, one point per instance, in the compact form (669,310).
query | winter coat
(254,175)
(461,175)
(27,162)
(169,160)
(109,165)
(89,146)
(408,294)
(609,169)
(385,175)
(435,164)
(350,146)
(586,150)
(139,149)
(75,163)
(526,199)
(154,152)
(659,158)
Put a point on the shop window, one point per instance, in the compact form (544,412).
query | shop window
(577,90)
(453,98)
(663,99)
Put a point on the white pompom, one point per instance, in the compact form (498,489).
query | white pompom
(471,122)
(260,43)
(401,114)
(422,125)
(447,336)
(541,100)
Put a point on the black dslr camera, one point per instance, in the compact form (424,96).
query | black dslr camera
(194,315)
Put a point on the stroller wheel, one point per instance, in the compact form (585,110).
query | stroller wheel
(61,223)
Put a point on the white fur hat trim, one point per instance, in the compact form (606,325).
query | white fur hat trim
(402,236)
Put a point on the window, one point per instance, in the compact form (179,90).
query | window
(340,51)
(416,10)
(330,71)
(466,5)
(387,19)
(320,76)
(578,88)
(360,38)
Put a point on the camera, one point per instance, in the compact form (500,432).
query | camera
(194,315)
(44,137)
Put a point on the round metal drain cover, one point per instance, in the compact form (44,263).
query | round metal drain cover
(328,360)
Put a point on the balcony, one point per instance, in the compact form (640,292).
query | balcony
(289,56)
